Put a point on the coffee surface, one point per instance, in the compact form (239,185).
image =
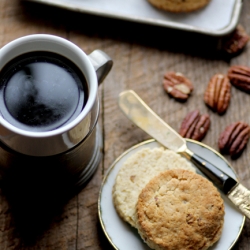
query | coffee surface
(41,91)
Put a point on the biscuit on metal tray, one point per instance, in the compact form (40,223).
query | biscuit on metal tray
(178,210)
(179,5)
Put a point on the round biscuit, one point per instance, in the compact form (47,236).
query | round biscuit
(179,5)
(136,172)
(179,209)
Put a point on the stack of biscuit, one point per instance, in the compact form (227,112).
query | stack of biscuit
(173,208)
(179,5)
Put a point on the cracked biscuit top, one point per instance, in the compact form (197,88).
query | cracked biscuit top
(136,172)
(179,209)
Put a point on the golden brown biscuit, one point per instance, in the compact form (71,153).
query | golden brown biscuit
(178,210)
(136,172)
(179,5)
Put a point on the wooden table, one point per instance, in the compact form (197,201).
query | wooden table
(141,55)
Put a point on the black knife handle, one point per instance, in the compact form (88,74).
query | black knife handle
(218,177)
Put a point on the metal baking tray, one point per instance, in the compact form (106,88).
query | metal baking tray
(218,18)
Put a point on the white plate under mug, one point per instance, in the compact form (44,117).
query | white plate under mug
(122,236)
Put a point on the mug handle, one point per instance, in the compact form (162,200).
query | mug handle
(102,64)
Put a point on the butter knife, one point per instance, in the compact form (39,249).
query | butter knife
(141,115)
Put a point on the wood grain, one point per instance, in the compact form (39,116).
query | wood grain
(141,55)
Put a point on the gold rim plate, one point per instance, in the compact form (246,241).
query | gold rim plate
(122,236)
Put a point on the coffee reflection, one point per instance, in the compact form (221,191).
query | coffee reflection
(41,91)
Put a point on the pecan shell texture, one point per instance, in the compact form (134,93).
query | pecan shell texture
(218,93)
(177,85)
(236,41)
(234,138)
(239,76)
(195,126)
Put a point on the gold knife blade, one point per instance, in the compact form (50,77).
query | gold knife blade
(140,114)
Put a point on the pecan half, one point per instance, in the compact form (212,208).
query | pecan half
(177,85)
(234,139)
(218,93)
(236,41)
(195,126)
(239,76)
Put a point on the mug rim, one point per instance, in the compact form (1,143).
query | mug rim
(93,86)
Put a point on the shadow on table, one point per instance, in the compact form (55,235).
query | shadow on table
(162,38)
(36,196)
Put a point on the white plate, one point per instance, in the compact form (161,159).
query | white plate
(217,18)
(123,237)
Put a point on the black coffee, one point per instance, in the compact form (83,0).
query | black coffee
(41,91)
